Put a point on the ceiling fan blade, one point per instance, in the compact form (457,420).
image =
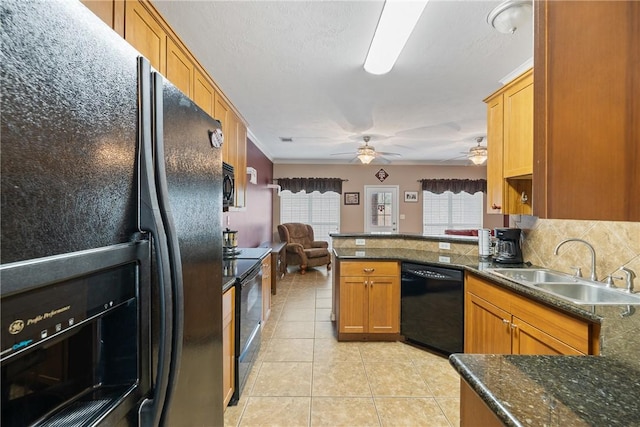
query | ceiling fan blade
(452,158)
(350,153)
(384,153)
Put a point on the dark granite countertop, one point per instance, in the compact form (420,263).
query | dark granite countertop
(227,283)
(413,236)
(566,391)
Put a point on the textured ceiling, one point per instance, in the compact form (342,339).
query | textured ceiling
(294,69)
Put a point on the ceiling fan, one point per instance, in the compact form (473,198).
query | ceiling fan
(477,155)
(367,153)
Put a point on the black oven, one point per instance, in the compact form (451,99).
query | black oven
(75,347)
(228,186)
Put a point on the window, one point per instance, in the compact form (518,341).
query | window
(451,211)
(320,211)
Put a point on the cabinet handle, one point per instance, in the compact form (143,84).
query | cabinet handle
(368,270)
(494,206)
(371,283)
(505,321)
(514,326)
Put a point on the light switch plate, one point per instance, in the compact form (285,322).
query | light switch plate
(444,245)
(359,242)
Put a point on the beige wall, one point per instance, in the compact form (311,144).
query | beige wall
(404,176)
(616,244)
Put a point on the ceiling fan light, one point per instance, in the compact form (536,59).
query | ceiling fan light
(397,21)
(477,155)
(509,15)
(366,158)
(478,159)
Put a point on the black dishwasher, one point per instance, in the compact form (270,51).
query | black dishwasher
(432,307)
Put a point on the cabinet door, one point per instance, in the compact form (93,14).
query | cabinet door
(203,93)
(145,34)
(528,339)
(104,9)
(384,310)
(553,328)
(266,288)
(487,327)
(587,110)
(518,128)
(179,68)
(241,163)
(228,344)
(494,154)
(222,113)
(353,305)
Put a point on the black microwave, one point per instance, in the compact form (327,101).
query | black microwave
(228,186)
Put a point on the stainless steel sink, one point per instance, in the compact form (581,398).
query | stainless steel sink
(575,289)
(591,294)
(533,275)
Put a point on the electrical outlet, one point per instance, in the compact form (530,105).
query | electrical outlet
(359,242)
(360,253)
(444,259)
(444,245)
(402,216)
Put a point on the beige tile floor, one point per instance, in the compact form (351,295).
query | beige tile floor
(304,377)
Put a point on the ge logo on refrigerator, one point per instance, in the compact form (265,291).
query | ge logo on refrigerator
(16,327)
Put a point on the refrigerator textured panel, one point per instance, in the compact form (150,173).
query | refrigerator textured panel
(69,114)
(194,180)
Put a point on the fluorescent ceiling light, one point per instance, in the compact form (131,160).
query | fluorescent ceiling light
(396,24)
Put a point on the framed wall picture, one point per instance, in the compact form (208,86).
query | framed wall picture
(352,198)
(411,197)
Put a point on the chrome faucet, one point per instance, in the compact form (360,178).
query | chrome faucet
(593,276)
(629,279)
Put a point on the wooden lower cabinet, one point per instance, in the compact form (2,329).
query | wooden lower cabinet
(473,411)
(266,288)
(498,321)
(228,344)
(369,299)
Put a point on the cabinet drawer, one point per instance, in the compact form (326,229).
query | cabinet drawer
(369,268)
(570,330)
(496,295)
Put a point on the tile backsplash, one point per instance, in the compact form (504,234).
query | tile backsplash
(616,244)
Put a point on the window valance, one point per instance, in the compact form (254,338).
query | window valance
(439,186)
(309,185)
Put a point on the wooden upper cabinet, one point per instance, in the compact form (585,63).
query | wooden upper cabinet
(104,9)
(494,154)
(587,114)
(180,68)
(222,112)
(145,34)
(203,93)
(510,147)
(241,163)
(518,127)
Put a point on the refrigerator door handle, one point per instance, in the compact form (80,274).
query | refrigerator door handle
(150,220)
(175,260)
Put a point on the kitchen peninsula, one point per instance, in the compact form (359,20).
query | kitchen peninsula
(530,389)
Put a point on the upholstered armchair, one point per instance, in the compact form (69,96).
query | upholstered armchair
(301,249)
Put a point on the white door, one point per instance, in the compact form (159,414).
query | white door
(381,209)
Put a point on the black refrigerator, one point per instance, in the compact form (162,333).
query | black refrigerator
(111,235)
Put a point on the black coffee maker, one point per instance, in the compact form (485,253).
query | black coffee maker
(508,250)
